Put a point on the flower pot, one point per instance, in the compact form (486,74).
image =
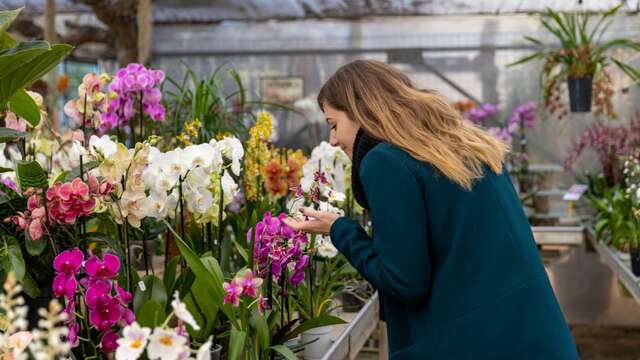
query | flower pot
(350,302)
(580,91)
(541,204)
(216,352)
(635,261)
(318,341)
(137,252)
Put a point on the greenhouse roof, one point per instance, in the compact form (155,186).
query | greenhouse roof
(204,11)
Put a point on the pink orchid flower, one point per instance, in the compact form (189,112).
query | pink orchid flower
(233,290)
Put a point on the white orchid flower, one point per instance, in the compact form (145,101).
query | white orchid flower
(180,310)
(132,343)
(166,344)
(103,145)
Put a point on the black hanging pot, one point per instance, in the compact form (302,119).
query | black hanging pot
(635,261)
(580,91)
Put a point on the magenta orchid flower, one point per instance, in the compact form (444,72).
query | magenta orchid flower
(106,268)
(64,285)
(109,342)
(69,261)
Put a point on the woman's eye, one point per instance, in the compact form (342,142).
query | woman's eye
(333,127)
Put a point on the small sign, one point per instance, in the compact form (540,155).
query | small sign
(284,90)
(575,192)
(142,286)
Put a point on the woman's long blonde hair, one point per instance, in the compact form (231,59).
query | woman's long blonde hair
(385,103)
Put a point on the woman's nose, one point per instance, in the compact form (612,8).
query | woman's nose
(332,138)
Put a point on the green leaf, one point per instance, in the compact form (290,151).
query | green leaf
(154,291)
(29,286)
(15,257)
(7,17)
(12,59)
(7,135)
(107,240)
(533,40)
(242,251)
(34,247)
(24,106)
(75,173)
(285,351)
(213,282)
(30,174)
(19,70)
(169,277)
(631,72)
(208,307)
(262,330)
(319,321)
(236,344)
(7,41)
(5,170)
(526,59)
(151,314)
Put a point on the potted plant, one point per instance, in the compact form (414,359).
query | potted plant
(581,60)
(632,182)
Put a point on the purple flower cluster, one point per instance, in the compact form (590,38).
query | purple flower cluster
(478,115)
(106,301)
(501,133)
(10,183)
(280,247)
(525,115)
(128,85)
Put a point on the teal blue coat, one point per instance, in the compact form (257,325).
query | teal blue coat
(458,271)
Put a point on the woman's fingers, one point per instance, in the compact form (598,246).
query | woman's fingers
(311,213)
(309,226)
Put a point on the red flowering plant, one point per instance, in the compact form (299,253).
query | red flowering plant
(40,221)
(609,143)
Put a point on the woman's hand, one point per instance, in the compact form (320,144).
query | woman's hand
(319,224)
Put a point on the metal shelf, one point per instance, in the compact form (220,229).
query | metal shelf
(558,235)
(355,335)
(620,267)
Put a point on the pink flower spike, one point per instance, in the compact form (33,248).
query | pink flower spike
(233,290)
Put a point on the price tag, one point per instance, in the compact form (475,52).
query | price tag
(142,286)
(575,192)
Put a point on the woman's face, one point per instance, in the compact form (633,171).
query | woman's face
(343,129)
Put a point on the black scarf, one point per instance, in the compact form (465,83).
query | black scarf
(361,146)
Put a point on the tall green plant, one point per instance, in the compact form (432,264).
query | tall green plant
(21,64)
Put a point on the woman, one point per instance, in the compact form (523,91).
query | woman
(452,254)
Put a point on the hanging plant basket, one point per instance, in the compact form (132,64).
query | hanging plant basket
(580,91)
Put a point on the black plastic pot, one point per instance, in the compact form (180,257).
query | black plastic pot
(350,302)
(216,352)
(580,91)
(635,261)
